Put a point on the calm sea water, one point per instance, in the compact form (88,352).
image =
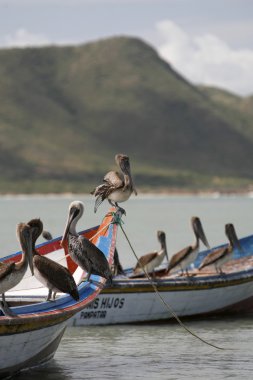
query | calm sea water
(157,351)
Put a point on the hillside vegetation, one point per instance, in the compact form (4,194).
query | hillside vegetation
(66,111)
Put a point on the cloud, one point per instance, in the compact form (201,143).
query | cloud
(23,38)
(206,59)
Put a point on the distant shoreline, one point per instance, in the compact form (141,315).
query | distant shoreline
(141,195)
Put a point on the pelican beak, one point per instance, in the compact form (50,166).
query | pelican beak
(231,234)
(166,254)
(198,229)
(129,181)
(125,167)
(29,247)
(162,239)
(30,262)
(71,216)
(66,231)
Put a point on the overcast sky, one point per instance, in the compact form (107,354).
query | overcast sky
(208,41)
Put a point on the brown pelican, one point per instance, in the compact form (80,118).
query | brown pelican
(117,267)
(188,254)
(152,260)
(12,273)
(84,253)
(222,255)
(116,187)
(54,276)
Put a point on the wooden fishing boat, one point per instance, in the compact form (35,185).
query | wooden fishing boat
(33,335)
(133,299)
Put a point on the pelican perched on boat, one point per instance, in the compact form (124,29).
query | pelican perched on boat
(222,255)
(84,253)
(188,254)
(12,273)
(53,275)
(116,187)
(152,260)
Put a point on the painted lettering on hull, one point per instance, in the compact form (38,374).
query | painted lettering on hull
(98,308)
(92,314)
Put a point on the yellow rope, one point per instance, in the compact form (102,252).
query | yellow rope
(172,312)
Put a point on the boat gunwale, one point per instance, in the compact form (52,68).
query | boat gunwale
(46,244)
(173,287)
(196,279)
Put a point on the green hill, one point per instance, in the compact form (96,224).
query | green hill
(236,110)
(66,111)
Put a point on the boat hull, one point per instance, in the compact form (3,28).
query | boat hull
(133,300)
(29,348)
(140,303)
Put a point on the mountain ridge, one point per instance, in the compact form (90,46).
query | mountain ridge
(66,111)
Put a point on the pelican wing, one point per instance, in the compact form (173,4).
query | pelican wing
(145,259)
(99,200)
(6,269)
(213,257)
(56,274)
(179,256)
(111,182)
(95,257)
(114,179)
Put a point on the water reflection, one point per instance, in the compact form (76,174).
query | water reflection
(48,371)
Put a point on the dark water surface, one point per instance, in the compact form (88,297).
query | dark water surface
(157,351)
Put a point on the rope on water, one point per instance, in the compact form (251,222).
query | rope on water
(168,307)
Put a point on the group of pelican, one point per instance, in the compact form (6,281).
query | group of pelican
(182,259)
(50,273)
(116,187)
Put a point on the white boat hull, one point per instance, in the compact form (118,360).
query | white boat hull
(29,349)
(134,300)
(133,306)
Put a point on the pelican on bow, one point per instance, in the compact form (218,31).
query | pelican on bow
(152,260)
(84,253)
(116,187)
(51,274)
(12,273)
(188,254)
(222,255)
